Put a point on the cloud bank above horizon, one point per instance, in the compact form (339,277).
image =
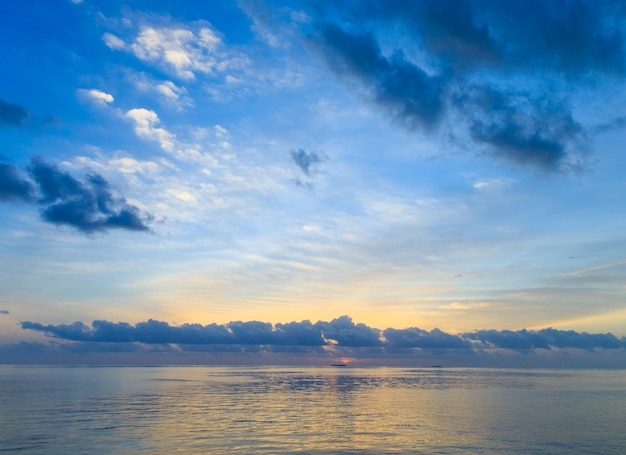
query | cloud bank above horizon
(340,332)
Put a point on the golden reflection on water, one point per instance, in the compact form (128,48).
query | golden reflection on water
(309,410)
(316,411)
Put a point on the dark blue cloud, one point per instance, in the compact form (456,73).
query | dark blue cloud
(545,339)
(88,206)
(574,37)
(13,114)
(405,91)
(417,338)
(304,160)
(517,127)
(346,333)
(304,336)
(551,47)
(13,187)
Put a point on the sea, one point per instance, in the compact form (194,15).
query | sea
(310,410)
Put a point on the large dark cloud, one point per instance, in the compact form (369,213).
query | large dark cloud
(88,206)
(499,73)
(13,114)
(341,332)
(408,93)
(14,187)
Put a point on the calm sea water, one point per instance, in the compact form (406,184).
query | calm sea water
(226,410)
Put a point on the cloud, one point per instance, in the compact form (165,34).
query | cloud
(113,42)
(146,122)
(304,160)
(13,114)
(545,339)
(409,94)
(341,332)
(12,186)
(448,68)
(88,206)
(517,127)
(96,95)
(182,50)
(344,332)
(417,338)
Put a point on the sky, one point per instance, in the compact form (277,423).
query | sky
(358,179)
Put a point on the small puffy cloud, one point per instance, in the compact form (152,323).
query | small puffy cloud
(181,50)
(113,42)
(146,122)
(97,96)
(13,114)
(167,91)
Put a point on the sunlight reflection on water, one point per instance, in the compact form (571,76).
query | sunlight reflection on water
(225,410)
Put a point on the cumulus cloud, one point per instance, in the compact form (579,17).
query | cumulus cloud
(341,332)
(97,96)
(13,114)
(146,127)
(88,206)
(430,65)
(181,50)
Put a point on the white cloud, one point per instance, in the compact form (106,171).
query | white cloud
(492,184)
(96,95)
(179,49)
(146,122)
(167,91)
(113,42)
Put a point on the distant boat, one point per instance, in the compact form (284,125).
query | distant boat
(339,365)
(436,366)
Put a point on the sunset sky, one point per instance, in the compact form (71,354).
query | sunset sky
(452,165)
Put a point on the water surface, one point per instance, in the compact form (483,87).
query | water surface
(244,410)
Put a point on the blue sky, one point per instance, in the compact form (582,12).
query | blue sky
(412,165)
